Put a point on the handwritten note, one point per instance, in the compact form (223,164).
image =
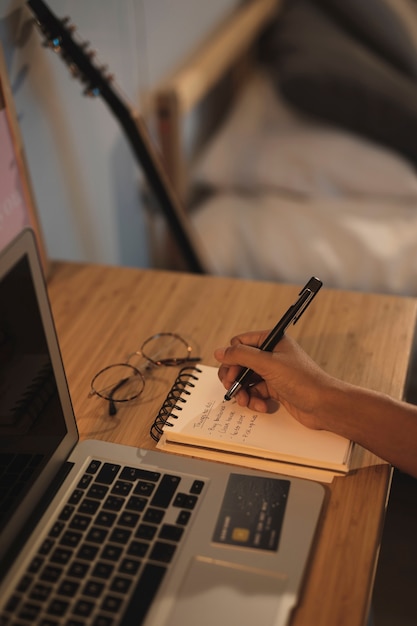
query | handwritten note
(207,420)
(225,421)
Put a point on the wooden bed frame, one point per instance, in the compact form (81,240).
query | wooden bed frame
(226,56)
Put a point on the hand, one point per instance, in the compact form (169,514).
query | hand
(287,375)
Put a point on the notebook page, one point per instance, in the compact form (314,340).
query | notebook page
(207,420)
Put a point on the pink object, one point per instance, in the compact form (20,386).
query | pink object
(14,213)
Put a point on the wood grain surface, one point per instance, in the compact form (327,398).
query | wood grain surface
(102,314)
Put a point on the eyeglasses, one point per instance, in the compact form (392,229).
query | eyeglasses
(122,382)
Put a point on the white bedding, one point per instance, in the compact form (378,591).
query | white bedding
(292,198)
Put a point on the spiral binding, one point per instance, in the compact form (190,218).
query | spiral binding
(171,403)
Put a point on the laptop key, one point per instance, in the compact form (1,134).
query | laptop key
(50,573)
(58,608)
(138,548)
(29,611)
(183,517)
(185,501)
(78,569)
(87,552)
(68,588)
(120,584)
(56,529)
(144,488)
(84,481)
(162,551)
(93,589)
(146,531)
(121,488)
(66,512)
(70,539)
(89,507)
(97,491)
(25,583)
(108,473)
(93,467)
(111,553)
(105,519)
(129,566)
(76,496)
(46,546)
(135,473)
(97,535)
(197,487)
(111,604)
(143,594)
(102,620)
(61,556)
(83,608)
(40,592)
(113,503)
(120,535)
(80,522)
(155,516)
(35,565)
(171,532)
(103,570)
(136,503)
(128,519)
(165,491)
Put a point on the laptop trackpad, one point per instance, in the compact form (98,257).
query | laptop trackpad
(225,593)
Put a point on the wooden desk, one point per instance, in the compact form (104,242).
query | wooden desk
(104,313)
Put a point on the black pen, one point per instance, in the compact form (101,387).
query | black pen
(291,316)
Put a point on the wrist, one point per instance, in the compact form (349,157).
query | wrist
(336,406)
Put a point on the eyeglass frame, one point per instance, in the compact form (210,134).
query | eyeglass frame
(168,362)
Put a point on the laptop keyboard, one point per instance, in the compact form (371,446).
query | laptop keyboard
(107,551)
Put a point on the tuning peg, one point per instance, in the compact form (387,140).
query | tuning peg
(53,42)
(91,54)
(91,92)
(74,71)
(66,21)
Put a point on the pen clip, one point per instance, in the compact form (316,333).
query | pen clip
(309,290)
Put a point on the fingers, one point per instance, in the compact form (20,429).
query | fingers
(242,353)
(251,338)
(233,358)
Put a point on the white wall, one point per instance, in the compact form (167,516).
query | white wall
(85,178)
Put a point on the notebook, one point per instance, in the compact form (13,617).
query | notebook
(103,534)
(195,419)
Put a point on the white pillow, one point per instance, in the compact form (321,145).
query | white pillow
(266,144)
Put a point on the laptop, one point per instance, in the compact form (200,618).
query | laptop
(104,534)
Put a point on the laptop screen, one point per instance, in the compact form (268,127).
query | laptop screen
(31,418)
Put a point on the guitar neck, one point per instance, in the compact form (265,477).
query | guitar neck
(60,38)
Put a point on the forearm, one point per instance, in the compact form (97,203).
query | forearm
(385,426)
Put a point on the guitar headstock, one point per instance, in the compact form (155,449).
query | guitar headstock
(60,35)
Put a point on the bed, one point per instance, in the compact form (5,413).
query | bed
(289,162)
